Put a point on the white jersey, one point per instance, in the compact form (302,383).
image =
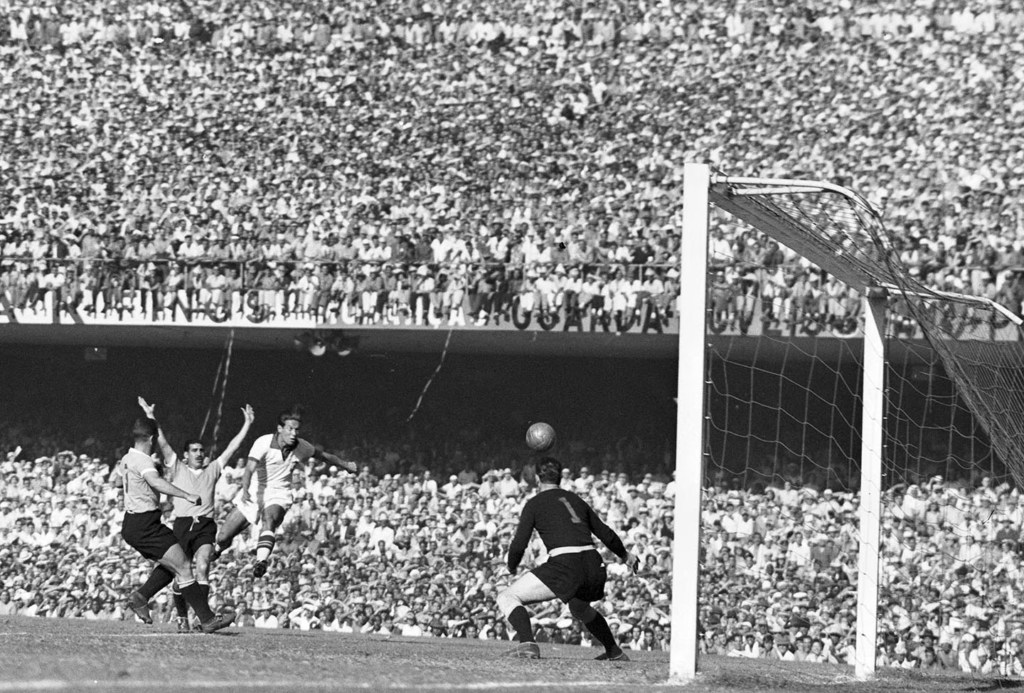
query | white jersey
(274,465)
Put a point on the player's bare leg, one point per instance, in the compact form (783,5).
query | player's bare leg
(172,566)
(512,601)
(273,516)
(201,568)
(175,564)
(234,525)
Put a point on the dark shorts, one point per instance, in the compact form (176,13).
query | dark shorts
(194,532)
(574,576)
(146,534)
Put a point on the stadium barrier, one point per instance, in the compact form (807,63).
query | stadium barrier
(617,298)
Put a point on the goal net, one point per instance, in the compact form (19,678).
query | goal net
(846,450)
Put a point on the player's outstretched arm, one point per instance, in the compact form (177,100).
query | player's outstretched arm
(166,451)
(335,460)
(167,488)
(236,442)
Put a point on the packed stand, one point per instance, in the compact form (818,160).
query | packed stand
(334,155)
(408,554)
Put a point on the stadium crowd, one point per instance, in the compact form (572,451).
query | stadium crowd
(390,160)
(348,155)
(409,554)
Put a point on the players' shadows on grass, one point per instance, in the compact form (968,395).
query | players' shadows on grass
(998,684)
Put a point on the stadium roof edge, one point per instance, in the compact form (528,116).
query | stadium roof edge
(396,341)
(370,339)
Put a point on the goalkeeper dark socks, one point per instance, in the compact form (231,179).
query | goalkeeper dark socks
(520,620)
(598,627)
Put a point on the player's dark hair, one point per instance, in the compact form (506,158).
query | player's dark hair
(293,414)
(143,430)
(193,441)
(549,471)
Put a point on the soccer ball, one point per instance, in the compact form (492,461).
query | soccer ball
(540,437)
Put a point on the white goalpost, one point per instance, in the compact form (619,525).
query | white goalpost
(840,233)
(689,423)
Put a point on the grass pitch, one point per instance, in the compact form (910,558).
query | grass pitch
(59,655)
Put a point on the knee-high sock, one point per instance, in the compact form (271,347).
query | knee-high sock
(205,587)
(265,545)
(180,605)
(520,620)
(598,627)
(158,579)
(193,594)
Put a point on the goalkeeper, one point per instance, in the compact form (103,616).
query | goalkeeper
(574,571)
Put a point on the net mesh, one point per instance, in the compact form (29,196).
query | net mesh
(977,345)
(783,435)
(986,370)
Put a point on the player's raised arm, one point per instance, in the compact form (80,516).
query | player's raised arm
(236,442)
(166,451)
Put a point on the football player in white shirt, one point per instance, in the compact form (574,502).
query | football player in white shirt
(266,486)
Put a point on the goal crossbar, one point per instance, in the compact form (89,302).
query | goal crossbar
(752,200)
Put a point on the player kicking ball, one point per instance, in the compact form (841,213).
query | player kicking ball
(266,486)
(574,571)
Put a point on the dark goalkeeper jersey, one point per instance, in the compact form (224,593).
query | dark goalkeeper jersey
(562,519)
